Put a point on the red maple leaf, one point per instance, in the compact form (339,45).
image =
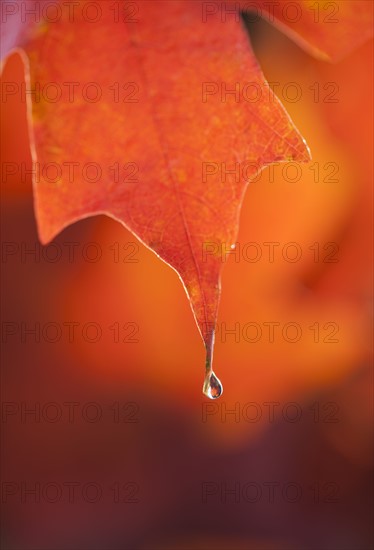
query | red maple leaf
(158,115)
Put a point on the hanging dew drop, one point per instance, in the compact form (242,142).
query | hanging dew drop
(212,387)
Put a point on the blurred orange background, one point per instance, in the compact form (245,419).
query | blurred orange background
(149,430)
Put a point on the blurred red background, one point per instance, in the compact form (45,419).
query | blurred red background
(140,421)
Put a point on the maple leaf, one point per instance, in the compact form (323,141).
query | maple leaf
(158,115)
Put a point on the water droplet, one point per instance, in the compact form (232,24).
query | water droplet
(212,385)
